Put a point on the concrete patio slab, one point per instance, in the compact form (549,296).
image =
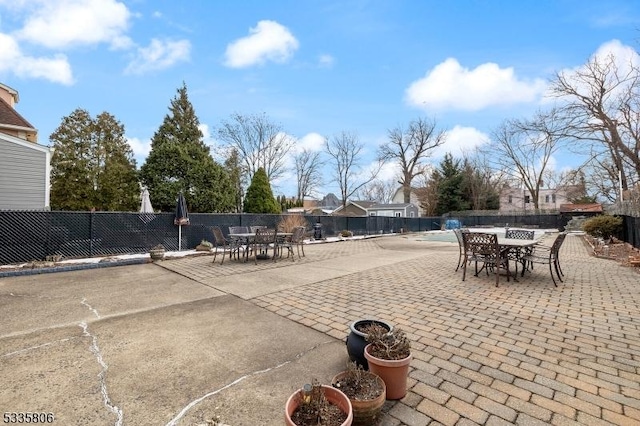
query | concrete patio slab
(170,343)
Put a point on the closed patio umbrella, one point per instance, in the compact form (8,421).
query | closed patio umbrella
(182,217)
(145,203)
(146,209)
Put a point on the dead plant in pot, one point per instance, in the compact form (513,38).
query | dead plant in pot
(389,356)
(318,405)
(365,390)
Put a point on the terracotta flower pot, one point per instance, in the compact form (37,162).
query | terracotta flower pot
(393,372)
(333,395)
(365,411)
(357,340)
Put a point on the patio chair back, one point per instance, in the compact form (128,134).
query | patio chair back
(238,229)
(219,241)
(459,232)
(483,248)
(550,256)
(264,240)
(520,234)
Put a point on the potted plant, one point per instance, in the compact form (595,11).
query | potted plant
(365,390)
(345,234)
(157,252)
(317,404)
(389,355)
(357,339)
(204,246)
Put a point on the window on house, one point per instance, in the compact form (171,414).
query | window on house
(546,198)
(553,198)
(398,214)
(372,213)
(527,199)
(510,199)
(412,214)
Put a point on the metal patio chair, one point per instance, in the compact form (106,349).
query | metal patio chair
(483,248)
(549,256)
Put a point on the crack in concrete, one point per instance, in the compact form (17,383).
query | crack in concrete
(91,308)
(36,347)
(195,402)
(31,296)
(95,349)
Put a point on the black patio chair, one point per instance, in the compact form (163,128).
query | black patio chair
(550,256)
(219,240)
(459,232)
(483,248)
(264,240)
(518,255)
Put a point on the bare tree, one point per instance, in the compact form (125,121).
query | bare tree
(481,182)
(308,166)
(522,149)
(260,143)
(408,148)
(344,149)
(378,190)
(601,105)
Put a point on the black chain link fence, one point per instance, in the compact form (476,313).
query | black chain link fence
(36,235)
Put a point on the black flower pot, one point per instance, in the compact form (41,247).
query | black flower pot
(357,340)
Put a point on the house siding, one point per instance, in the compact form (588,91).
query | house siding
(23,177)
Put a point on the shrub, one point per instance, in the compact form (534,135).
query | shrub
(259,197)
(346,234)
(603,226)
(291,221)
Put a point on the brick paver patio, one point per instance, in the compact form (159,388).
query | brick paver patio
(522,353)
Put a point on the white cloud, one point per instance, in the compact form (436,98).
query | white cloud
(450,86)
(56,69)
(268,41)
(326,61)
(159,55)
(65,23)
(141,149)
(311,141)
(624,59)
(389,172)
(459,141)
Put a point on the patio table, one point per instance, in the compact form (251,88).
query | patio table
(247,239)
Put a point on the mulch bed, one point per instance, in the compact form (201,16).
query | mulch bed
(623,253)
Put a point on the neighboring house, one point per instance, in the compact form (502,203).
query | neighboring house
(517,200)
(24,165)
(398,198)
(354,208)
(371,208)
(394,210)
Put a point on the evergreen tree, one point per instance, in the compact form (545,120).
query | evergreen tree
(259,197)
(116,175)
(451,188)
(180,161)
(92,165)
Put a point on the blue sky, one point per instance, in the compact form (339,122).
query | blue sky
(315,67)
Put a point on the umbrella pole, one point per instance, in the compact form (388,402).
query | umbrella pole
(179,237)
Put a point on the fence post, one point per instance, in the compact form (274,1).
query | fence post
(91,233)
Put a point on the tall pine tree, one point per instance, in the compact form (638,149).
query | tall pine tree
(92,165)
(451,191)
(180,161)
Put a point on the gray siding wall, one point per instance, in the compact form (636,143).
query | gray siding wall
(22,177)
